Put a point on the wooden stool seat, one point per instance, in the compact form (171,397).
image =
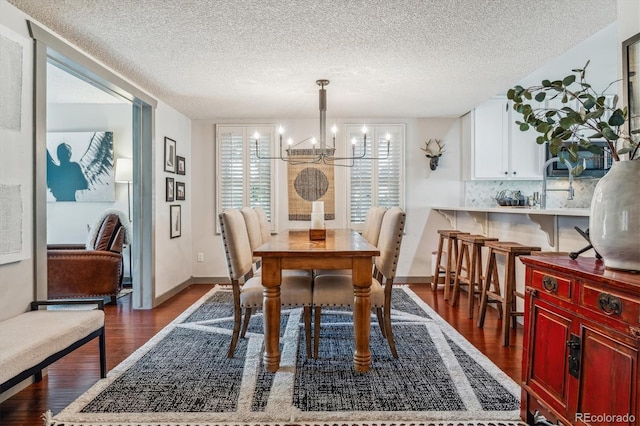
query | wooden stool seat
(451,252)
(491,290)
(470,274)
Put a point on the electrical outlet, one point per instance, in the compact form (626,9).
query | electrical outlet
(200,257)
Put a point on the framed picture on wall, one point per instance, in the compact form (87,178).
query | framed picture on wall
(170,190)
(180,191)
(181,164)
(176,221)
(631,80)
(169,155)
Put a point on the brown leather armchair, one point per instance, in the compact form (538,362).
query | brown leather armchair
(95,269)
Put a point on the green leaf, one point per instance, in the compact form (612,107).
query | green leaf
(527,95)
(540,96)
(554,148)
(624,150)
(568,80)
(511,93)
(546,83)
(542,127)
(595,149)
(565,99)
(524,127)
(609,134)
(596,136)
(588,104)
(567,122)
(615,101)
(616,119)
(540,140)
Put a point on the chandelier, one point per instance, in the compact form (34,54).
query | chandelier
(320,150)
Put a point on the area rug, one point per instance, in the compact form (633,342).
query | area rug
(182,376)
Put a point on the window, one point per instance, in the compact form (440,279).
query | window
(375,182)
(242,178)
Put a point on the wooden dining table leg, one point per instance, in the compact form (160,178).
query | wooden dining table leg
(362,312)
(271,278)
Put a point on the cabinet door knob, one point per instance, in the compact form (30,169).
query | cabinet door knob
(609,304)
(506,173)
(550,284)
(514,173)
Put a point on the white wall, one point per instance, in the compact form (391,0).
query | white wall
(17,281)
(423,189)
(172,255)
(85,118)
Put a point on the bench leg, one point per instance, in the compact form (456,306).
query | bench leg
(103,355)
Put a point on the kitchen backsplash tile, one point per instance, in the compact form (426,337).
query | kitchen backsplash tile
(482,193)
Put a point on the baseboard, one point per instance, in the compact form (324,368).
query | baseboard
(412,280)
(210,280)
(169,294)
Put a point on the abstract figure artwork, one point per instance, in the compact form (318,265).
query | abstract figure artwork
(80,166)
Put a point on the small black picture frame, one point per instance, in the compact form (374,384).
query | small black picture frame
(181,164)
(169,155)
(180,191)
(170,190)
(175,221)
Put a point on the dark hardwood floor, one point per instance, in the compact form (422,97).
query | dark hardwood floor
(128,329)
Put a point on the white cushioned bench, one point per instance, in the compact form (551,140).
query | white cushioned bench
(33,340)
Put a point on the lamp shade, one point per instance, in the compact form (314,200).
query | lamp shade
(124,170)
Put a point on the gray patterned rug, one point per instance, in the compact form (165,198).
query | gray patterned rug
(183,377)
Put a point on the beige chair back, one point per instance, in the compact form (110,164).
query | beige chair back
(372,223)
(253,228)
(389,242)
(265,229)
(236,243)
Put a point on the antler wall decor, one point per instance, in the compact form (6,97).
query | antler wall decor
(434,148)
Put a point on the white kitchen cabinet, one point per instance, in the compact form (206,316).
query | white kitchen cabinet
(500,150)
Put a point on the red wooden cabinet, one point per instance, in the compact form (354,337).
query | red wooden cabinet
(581,343)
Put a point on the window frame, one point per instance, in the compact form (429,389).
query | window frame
(246,132)
(376,130)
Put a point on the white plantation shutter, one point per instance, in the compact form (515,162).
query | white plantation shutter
(231,176)
(242,178)
(260,179)
(376,182)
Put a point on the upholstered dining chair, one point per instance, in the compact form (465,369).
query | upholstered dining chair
(254,218)
(370,232)
(265,229)
(337,290)
(295,290)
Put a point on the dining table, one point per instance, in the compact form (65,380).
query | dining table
(294,249)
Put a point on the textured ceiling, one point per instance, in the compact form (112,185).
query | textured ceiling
(261,58)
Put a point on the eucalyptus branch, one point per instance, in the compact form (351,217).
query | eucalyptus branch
(563,128)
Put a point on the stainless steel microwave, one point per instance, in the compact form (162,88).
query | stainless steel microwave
(596,165)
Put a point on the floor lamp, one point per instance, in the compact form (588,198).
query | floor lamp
(124,174)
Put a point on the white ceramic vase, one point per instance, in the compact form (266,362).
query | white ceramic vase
(614,223)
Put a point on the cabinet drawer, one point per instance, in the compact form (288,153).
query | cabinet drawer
(612,304)
(551,284)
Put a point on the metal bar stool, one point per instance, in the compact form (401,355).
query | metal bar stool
(471,275)
(451,237)
(510,251)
